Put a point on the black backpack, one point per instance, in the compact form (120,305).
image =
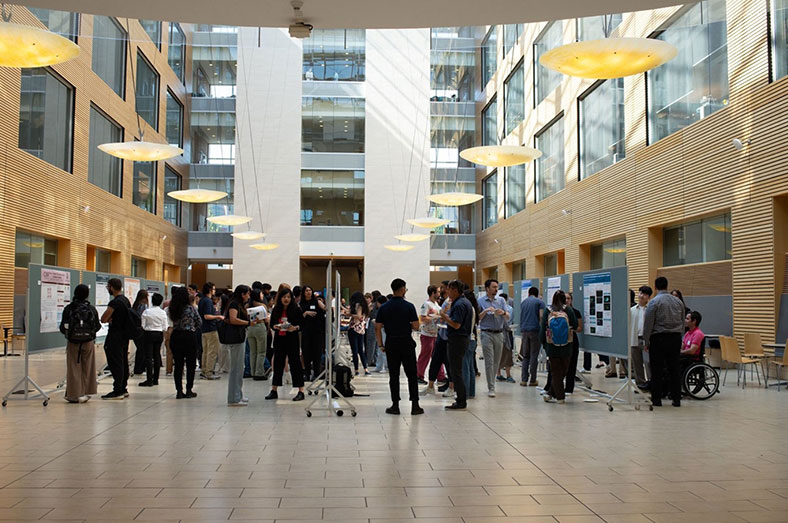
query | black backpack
(81,323)
(133,327)
(342,377)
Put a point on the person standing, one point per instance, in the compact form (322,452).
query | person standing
(398,317)
(637,315)
(237,319)
(139,306)
(209,334)
(492,319)
(468,362)
(116,344)
(428,331)
(663,326)
(257,337)
(313,332)
(359,311)
(369,338)
(286,320)
(79,324)
(154,325)
(531,311)
(459,323)
(572,370)
(439,359)
(186,324)
(381,365)
(556,334)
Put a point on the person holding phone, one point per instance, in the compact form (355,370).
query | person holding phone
(286,319)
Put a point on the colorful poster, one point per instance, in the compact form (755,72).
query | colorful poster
(153,288)
(131,287)
(553,285)
(524,286)
(597,305)
(55,295)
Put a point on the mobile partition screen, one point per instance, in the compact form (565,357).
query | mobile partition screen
(520,293)
(603,298)
(49,290)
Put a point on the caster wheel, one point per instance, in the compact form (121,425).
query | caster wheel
(651,407)
(340,413)
(610,408)
(5,403)
(309,414)
(46,402)
(353,413)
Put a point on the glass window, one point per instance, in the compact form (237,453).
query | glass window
(514,99)
(550,264)
(153,28)
(489,56)
(515,189)
(452,70)
(490,193)
(32,248)
(695,83)
(174,121)
(492,273)
(546,80)
(144,186)
(104,170)
(103,261)
(550,174)
(609,254)
(511,33)
(139,269)
(176,52)
(780,37)
(109,53)
(518,270)
(221,153)
(332,198)
(700,241)
(602,127)
(147,101)
(46,117)
(490,123)
(593,27)
(172,207)
(60,22)
(332,125)
(335,55)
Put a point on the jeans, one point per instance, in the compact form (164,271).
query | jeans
(458,346)
(257,336)
(529,349)
(427,345)
(382,361)
(152,359)
(235,381)
(638,368)
(492,347)
(312,343)
(572,370)
(287,349)
(247,360)
(468,369)
(357,344)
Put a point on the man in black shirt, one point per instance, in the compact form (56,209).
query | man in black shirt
(400,320)
(458,320)
(116,344)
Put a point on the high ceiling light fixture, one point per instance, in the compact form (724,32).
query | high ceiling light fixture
(248,235)
(197,195)
(500,155)
(141,151)
(264,246)
(229,219)
(428,222)
(25,46)
(412,237)
(454,199)
(399,248)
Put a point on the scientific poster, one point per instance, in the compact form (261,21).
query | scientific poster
(55,295)
(525,285)
(597,306)
(131,287)
(553,285)
(102,300)
(152,288)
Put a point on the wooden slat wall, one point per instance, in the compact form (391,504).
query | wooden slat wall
(704,279)
(43,199)
(691,173)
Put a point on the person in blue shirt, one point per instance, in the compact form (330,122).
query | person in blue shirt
(531,310)
(492,319)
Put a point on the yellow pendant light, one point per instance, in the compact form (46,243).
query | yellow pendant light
(248,235)
(25,46)
(230,219)
(454,199)
(264,246)
(428,222)
(197,195)
(500,155)
(399,248)
(607,58)
(412,237)
(141,151)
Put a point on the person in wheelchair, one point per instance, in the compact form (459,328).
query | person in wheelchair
(698,379)
(693,339)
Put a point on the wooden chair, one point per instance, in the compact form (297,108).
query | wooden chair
(780,364)
(753,346)
(731,354)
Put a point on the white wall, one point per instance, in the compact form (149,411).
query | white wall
(397,156)
(268,135)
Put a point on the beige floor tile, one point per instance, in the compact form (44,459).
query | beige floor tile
(515,519)
(704,517)
(186,514)
(459,512)
(278,513)
(93,513)
(625,518)
(201,492)
(261,503)
(580,519)
(493,500)
(329,502)
(368,513)
(140,503)
(281,493)
(409,501)
(631,508)
(545,510)
(762,517)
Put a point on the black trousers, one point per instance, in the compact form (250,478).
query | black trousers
(664,351)
(458,346)
(286,348)
(439,357)
(116,348)
(570,372)
(139,355)
(312,343)
(587,360)
(153,341)
(402,351)
(183,345)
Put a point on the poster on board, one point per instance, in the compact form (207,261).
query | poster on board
(597,306)
(525,285)
(131,286)
(553,285)
(102,300)
(152,288)
(55,295)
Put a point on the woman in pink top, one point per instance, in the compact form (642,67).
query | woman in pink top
(693,338)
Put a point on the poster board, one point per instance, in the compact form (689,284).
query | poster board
(153,286)
(99,296)
(550,284)
(520,293)
(610,292)
(49,290)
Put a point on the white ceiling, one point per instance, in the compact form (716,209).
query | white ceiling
(371,14)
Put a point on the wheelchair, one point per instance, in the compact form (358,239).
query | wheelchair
(699,380)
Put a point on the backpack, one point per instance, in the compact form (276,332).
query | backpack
(342,377)
(81,323)
(558,332)
(132,330)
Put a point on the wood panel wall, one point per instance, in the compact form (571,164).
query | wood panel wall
(40,198)
(689,174)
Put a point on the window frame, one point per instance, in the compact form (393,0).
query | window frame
(517,68)
(125,58)
(507,171)
(580,149)
(485,181)
(172,27)
(158,42)
(169,94)
(538,134)
(154,187)
(701,221)
(101,112)
(179,205)
(493,100)
(484,50)
(156,97)
(537,65)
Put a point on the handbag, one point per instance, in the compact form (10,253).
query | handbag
(230,334)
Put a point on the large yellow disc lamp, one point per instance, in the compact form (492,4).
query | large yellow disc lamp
(608,57)
(616,250)
(264,246)
(25,46)
(500,155)
(197,195)
(141,151)
(399,248)
(454,199)
(428,223)
(230,219)
(248,235)
(413,237)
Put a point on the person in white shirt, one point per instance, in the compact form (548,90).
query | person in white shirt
(428,330)
(155,324)
(636,316)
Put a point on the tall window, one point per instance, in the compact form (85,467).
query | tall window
(490,200)
(332,198)
(489,55)
(60,22)
(153,28)
(699,241)
(147,101)
(546,80)
(334,125)
(139,269)
(176,52)
(518,270)
(335,55)
(172,207)
(601,126)
(109,53)
(490,123)
(511,33)
(103,261)
(46,117)
(550,175)
(515,189)
(695,83)
(550,264)
(144,186)
(174,121)
(593,27)
(514,99)
(780,37)
(104,170)
(609,254)
(32,248)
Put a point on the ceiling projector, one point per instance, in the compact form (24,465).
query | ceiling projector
(300,30)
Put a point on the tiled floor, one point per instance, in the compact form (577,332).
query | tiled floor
(511,459)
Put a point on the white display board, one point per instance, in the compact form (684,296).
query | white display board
(131,286)
(525,285)
(553,285)
(55,295)
(102,300)
(597,305)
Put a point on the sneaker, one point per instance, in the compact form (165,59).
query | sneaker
(622,376)
(491,394)
(245,399)
(214,377)
(204,377)
(533,383)
(547,398)
(125,394)
(599,365)
(239,404)
(68,400)
(611,374)
(83,399)
(262,378)
(367,373)
(422,381)
(393,410)
(448,393)
(272,395)
(145,383)
(299,396)
(429,391)
(444,388)
(584,371)
(112,396)
(561,402)
(168,373)
(190,394)
(510,380)
(415,410)
(500,378)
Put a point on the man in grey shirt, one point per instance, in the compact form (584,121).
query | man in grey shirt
(663,326)
(494,315)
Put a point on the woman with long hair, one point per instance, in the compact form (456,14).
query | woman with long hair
(139,306)
(359,312)
(313,330)
(258,337)
(468,370)
(286,321)
(237,319)
(223,361)
(186,323)
(558,324)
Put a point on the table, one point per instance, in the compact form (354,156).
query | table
(779,350)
